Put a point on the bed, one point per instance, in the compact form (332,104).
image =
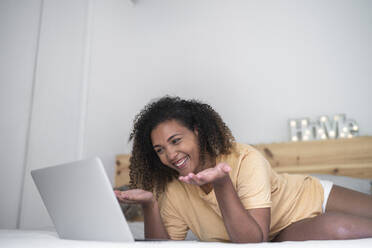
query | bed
(37,239)
(345,162)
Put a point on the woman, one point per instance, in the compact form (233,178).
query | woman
(187,172)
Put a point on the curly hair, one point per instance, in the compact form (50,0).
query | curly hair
(214,137)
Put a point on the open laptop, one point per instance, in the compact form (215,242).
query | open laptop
(81,202)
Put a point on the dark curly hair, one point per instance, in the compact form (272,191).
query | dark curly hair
(146,170)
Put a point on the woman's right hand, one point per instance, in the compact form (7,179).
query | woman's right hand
(154,227)
(134,196)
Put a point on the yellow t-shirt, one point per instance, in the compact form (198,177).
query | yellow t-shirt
(291,198)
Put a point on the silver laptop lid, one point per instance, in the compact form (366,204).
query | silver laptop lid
(81,201)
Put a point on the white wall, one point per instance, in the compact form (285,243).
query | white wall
(19,22)
(44,91)
(57,127)
(258,63)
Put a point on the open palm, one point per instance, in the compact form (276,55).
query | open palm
(139,196)
(209,175)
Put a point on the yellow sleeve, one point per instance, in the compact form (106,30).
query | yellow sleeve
(173,222)
(253,181)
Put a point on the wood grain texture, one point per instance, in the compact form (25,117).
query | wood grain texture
(122,170)
(344,151)
(345,157)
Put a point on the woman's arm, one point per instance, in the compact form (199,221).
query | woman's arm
(154,227)
(243,226)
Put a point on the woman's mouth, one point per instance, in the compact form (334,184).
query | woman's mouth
(180,164)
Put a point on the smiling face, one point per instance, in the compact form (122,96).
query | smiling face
(176,146)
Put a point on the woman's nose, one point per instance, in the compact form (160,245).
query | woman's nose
(171,154)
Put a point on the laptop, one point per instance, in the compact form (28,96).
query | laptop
(81,202)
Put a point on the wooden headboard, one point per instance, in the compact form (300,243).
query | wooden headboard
(345,157)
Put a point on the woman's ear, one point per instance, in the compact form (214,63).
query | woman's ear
(196,131)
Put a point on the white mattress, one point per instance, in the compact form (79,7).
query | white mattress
(49,239)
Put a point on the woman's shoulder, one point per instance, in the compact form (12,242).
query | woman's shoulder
(240,150)
(243,148)
(239,153)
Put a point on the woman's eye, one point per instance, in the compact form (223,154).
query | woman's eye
(158,151)
(176,141)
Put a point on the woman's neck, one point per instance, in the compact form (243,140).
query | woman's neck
(209,162)
(207,188)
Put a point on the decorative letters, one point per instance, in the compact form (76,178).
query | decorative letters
(323,128)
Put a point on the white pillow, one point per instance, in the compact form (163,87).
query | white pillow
(357,184)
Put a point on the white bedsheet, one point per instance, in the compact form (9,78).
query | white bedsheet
(49,239)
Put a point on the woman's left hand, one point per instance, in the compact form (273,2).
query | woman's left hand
(209,175)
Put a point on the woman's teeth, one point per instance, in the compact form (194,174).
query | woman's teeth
(181,162)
